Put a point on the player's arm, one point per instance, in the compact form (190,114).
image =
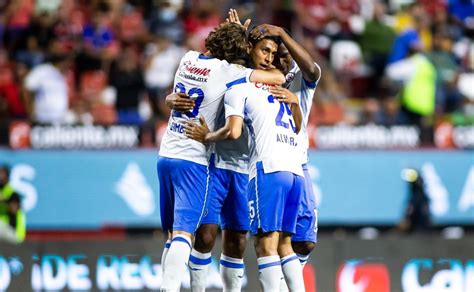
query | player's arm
(200,132)
(311,71)
(234,104)
(273,76)
(179,102)
(284,95)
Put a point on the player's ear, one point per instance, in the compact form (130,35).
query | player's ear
(249,47)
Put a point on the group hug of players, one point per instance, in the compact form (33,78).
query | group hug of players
(235,154)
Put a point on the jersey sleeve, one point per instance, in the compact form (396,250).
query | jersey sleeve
(312,84)
(236,74)
(234,102)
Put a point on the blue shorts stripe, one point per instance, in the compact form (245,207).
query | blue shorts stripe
(182,240)
(198,261)
(289,260)
(259,223)
(264,266)
(232,265)
(205,198)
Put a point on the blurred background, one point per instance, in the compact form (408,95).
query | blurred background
(82,113)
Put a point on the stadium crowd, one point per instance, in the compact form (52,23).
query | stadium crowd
(113,62)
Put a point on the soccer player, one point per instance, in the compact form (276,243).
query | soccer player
(302,76)
(276,176)
(228,196)
(182,164)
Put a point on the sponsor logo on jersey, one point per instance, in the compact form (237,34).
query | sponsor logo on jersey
(191,71)
(290,77)
(263,86)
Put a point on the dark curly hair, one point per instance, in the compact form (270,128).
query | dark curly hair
(227,42)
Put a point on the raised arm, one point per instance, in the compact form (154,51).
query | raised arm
(304,60)
(200,132)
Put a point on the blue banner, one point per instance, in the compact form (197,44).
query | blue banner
(92,189)
(366,187)
(86,189)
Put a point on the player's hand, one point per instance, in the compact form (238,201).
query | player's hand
(265,30)
(284,95)
(233,17)
(179,102)
(195,131)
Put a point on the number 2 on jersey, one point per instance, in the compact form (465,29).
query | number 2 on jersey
(194,92)
(284,108)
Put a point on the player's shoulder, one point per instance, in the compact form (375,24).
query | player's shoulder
(241,87)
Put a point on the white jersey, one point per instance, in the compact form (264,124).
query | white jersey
(205,80)
(272,132)
(232,154)
(305,91)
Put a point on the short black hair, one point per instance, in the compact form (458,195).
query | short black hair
(254,41)
(14,198)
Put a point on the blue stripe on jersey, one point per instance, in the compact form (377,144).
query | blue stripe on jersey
(303,97)
(204,57)
(310,84)
(235,82)
(232,265)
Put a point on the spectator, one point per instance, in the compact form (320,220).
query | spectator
(201,21)
(160,67)
(313,15)
(371,112)
(417,215)
(407,39)
(4,4)
(165,20)
(47,6)
(19,15)
(418,78)
(38,38)
(447,96)
(9,89)
(12,219)
(131,26)
(462,10)
(391,113)
(127,78)
(99,43)
(48,83)
(376,42)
